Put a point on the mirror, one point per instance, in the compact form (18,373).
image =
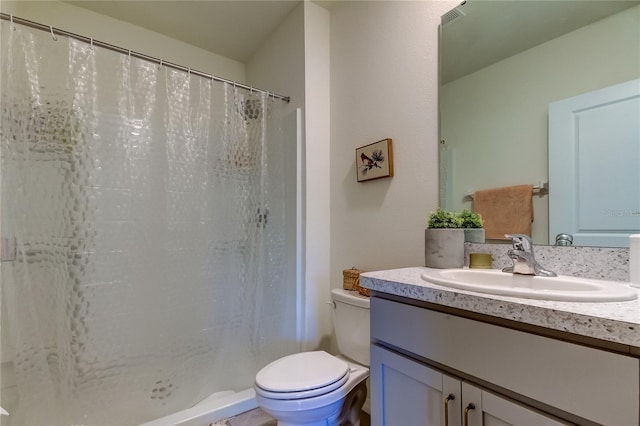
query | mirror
(501,64)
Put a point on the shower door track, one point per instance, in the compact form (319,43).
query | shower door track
(56,31)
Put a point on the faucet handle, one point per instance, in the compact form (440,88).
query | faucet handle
(520,242)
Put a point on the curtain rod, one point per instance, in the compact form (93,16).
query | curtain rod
(129,52)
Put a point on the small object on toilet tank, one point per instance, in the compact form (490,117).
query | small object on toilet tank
(351,278)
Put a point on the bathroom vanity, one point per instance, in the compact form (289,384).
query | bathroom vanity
(454,357)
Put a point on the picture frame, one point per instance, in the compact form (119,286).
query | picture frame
(374,161)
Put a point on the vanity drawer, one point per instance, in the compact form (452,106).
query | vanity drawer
(594,384)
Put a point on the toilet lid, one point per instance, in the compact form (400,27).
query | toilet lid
(302,375)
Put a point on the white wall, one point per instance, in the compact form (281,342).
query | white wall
(317,186)
(295,61)
(119,33)
(279,66)
(384,83)
(491,151)
(279,63)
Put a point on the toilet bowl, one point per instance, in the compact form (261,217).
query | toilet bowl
(316,388)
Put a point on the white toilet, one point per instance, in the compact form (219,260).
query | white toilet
(318,389)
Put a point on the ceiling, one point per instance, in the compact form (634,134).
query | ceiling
(479,33)
(235,29)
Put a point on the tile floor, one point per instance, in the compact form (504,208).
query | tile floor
(258,417)
(255,417)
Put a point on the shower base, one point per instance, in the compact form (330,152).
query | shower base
(220,405)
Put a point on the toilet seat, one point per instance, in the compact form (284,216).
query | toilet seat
(301,411)
(303,394)
(302,375)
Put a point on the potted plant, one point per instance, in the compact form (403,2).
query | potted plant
(473,227)
(445,236)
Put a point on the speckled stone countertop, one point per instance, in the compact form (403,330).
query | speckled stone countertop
(617,322)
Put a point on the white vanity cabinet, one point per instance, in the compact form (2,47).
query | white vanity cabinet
(419,357)
(405,392)
(408,393)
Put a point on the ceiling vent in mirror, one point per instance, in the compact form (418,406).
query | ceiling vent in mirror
(452,15)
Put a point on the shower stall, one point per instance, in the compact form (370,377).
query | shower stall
(148,251)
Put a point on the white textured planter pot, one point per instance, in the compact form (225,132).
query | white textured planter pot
(444,248)
(474,235)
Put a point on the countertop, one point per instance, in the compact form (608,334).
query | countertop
(617,322)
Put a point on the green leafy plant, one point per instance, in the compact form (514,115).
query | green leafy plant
(442,219)
(471,219)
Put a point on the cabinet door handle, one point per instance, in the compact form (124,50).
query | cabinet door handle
(449,397)
(471,406)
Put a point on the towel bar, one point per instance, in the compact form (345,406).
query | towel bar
(541,189)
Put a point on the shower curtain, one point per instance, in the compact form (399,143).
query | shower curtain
(147,205)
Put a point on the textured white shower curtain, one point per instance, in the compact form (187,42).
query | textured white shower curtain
(148,209)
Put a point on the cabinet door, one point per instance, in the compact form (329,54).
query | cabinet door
(492,410)
(407,393)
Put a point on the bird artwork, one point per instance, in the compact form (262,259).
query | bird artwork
(372,162)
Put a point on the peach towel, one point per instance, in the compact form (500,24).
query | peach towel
(507,210)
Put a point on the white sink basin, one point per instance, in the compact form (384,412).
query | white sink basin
(560,288)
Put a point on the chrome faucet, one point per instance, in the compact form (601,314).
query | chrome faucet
(524,261)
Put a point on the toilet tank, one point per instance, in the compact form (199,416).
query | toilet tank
(351,320)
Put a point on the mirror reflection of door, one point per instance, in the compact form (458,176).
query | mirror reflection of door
(594,152)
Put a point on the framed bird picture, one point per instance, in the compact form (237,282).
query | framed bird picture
(374,161)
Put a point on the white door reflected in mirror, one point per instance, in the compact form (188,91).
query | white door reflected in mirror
(596,194)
